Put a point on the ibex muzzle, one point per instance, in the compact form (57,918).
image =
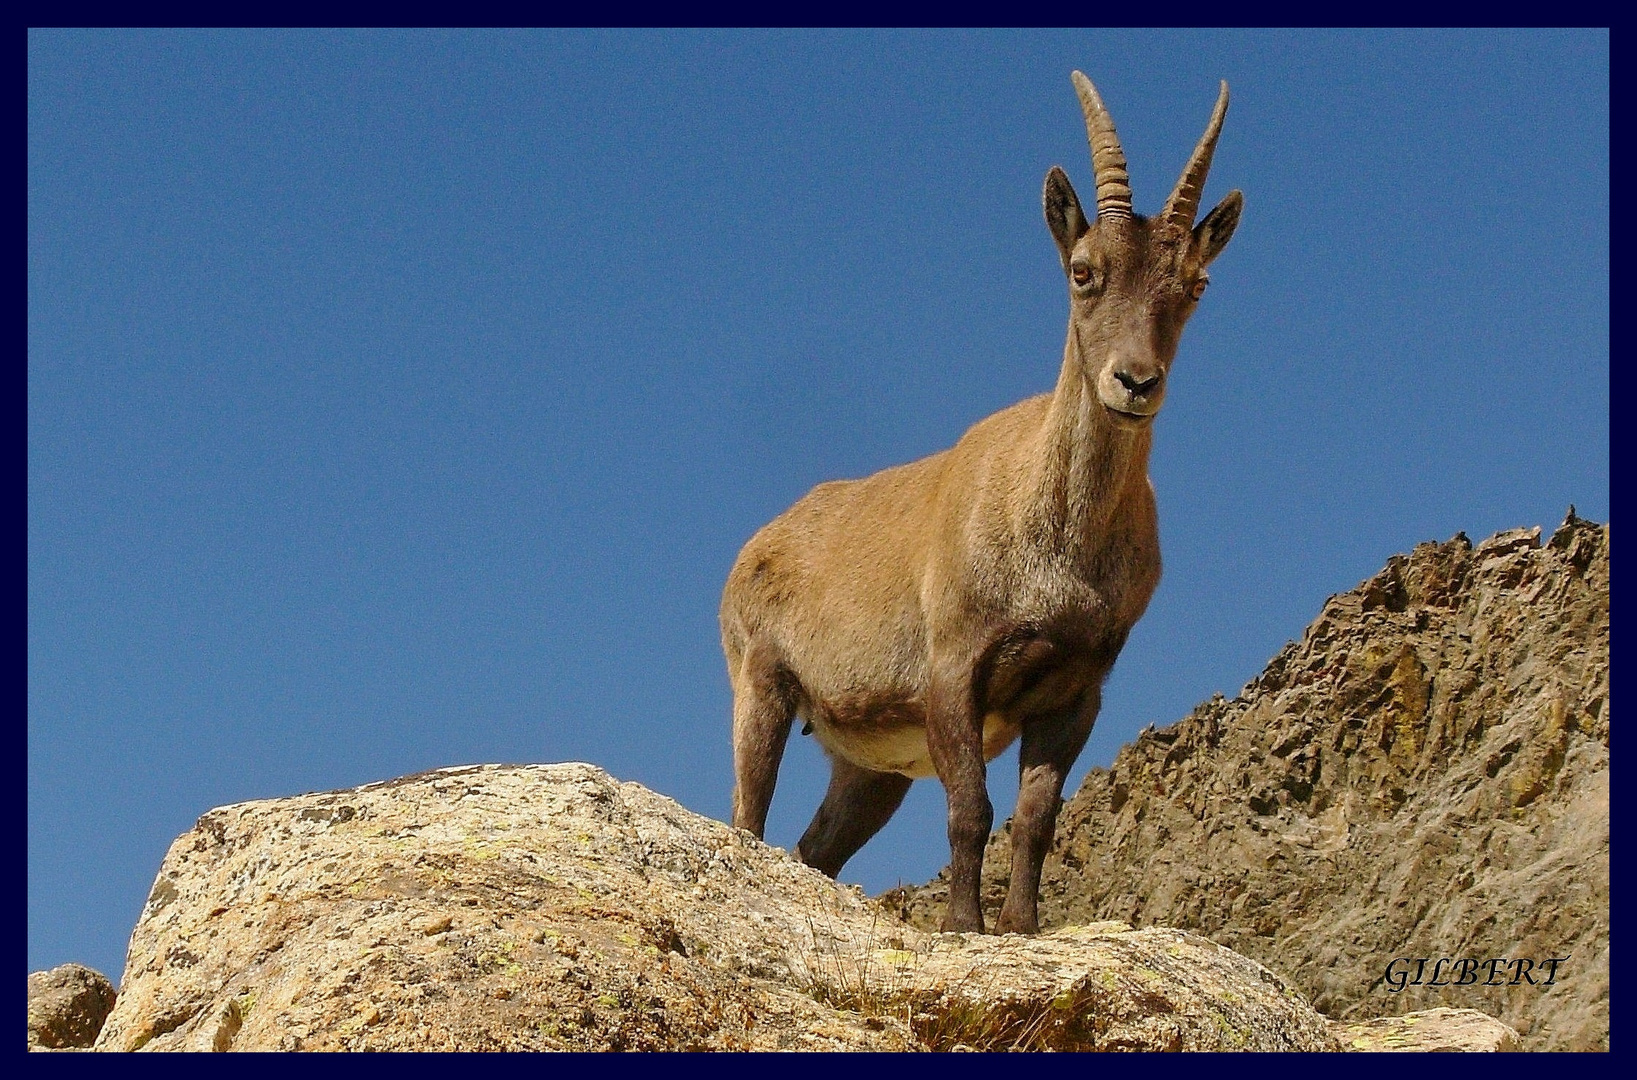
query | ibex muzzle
(921,620)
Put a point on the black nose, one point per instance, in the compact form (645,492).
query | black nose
(1139,388)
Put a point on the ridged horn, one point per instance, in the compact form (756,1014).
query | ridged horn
(1183,205)
(1107,159)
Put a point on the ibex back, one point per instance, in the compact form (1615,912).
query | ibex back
(922,619)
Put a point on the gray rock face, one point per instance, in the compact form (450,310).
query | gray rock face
(1425,775)
(552,907)
(67,1006)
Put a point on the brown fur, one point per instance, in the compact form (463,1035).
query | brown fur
(922,619)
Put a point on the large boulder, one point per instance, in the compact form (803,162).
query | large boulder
(552,907)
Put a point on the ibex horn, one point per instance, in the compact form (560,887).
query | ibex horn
(1183,204)
(1107,159)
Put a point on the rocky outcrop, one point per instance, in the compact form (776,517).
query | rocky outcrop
(1441,1029)
(552,907)
(1425,775)
(1423,778)
(67,1006)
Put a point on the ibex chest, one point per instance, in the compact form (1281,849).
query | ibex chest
(1062,628)
(1084,592)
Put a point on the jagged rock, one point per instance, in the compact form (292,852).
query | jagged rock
(67,1006)
(1424,775)
(552,907)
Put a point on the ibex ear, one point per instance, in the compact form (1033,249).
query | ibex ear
(1213,234)
(1063,214)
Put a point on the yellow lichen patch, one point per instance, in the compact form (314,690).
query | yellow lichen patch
(481,850)
(1402,702)
(1230,1034)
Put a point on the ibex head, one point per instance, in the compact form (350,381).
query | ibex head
(1133,281)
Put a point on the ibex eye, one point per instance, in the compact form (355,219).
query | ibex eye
(1199,288)
(1081,274)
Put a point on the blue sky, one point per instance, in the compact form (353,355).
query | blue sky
(400,400)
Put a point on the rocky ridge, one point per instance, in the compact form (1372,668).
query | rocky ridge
(1423,775)
(552,907)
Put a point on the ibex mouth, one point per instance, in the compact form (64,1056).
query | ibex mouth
(1131,419)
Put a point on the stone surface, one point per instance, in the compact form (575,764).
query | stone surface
(1424,775)
(552,907)
(1442,1029)
(67,1006)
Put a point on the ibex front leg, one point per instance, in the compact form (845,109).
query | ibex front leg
(955,740)
(1050,747)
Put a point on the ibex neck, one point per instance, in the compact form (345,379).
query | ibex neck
(1090,464)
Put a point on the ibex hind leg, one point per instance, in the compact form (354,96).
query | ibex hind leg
(764,702)
(858,803)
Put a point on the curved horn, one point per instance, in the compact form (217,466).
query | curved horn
(1183,204)
(1107,159)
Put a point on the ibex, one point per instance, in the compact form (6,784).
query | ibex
(921,619)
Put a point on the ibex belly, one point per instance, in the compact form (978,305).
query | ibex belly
(893,738)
